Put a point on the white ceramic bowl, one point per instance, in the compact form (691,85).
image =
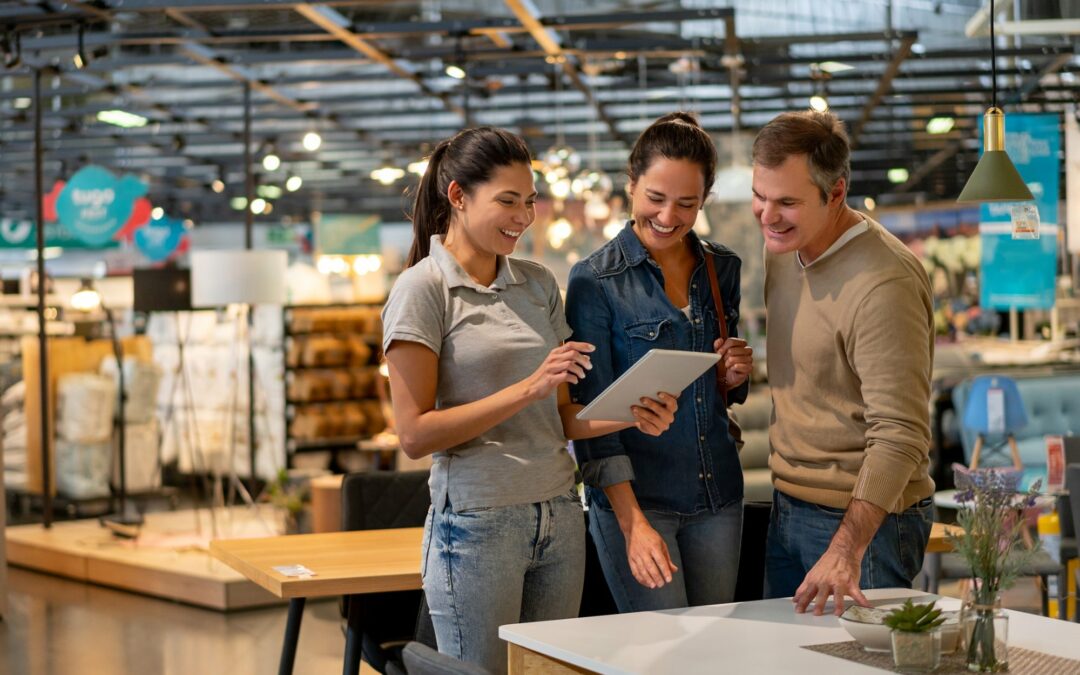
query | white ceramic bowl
(866,625)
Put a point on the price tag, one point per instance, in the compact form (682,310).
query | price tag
(1025,221)
(1055,464)
(294,571)
(995,410)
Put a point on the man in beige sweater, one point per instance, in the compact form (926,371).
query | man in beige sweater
(850,346)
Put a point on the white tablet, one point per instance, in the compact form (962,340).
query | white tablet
(659,370)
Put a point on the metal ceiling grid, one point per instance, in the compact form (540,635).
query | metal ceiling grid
(369,77)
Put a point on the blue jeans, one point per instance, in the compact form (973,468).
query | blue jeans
(704,546)
(800,532)
(483,568)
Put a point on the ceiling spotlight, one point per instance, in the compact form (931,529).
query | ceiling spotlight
(157,213)
(269,191)
(238,203)
(271,162)
(387,174)
(258,205)
(819,103)
(79,59)
(218,186)
(870,203)
(418,167)
(455,71)
(898,175)
(940,125)
(293,183)
(22,103)
(312,141)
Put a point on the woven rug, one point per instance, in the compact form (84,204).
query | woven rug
(1021,661)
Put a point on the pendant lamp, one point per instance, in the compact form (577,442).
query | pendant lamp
(994,179)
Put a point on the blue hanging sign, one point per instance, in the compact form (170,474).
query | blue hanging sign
(95,204)
(158,239)
(1021,273)
(21,233)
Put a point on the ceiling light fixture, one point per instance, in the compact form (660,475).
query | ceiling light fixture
(79,59)
(994,179)
(218,186)
(455,71)
(898,175)
(940,125)
(834,67)
(312,141)
(819,103)
(121,118)
(271,162)
(387,175)
(293,183)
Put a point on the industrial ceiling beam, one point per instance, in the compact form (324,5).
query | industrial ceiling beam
(337,25)
(529,16)
(205,56)
(884,85)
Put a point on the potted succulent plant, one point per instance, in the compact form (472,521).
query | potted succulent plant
(916,637)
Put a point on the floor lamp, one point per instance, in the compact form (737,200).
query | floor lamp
(244,277)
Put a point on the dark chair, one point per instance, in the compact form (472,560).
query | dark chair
(750,584)
(380,624)
(423,660)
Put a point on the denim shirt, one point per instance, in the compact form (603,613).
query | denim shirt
(615,300)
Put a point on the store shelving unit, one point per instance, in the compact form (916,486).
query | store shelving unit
(331,359)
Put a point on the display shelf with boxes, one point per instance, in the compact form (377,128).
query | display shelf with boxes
(334,394)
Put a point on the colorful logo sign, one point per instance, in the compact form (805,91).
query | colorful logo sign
(159,238)
(94,205)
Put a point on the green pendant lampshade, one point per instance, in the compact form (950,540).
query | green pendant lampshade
(995,179)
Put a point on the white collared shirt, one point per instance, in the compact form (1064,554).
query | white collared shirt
(849,234)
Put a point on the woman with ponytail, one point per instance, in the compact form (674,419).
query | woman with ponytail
(479,368)
(671,537)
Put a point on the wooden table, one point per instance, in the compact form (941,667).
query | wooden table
(344,563)
(939,542)
(764,636)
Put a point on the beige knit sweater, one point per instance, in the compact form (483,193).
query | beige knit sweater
(850,347)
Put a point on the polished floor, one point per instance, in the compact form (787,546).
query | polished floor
(58,627)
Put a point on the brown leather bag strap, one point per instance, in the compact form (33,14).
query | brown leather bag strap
(718,302)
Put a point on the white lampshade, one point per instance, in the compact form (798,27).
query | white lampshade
(221,278)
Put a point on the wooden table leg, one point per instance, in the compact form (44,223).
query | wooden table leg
(292,636)
(523,661)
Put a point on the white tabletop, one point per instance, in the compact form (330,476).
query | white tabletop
(765,636)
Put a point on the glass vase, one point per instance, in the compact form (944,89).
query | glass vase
(985,627)
(916,652)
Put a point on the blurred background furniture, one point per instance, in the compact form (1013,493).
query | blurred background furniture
(1051,406)
(378,625)
(753,418)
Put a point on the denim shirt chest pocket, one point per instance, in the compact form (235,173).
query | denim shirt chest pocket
(655,333)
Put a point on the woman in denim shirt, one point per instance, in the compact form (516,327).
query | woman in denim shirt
(665,513)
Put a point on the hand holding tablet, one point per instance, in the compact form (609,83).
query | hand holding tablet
(660,370)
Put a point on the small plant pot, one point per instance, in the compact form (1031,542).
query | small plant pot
(916,652)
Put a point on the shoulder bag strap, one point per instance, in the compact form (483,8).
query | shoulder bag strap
(718,302)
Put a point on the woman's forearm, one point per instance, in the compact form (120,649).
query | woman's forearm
(575,429)
(437,430)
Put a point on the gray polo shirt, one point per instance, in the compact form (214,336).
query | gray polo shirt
(487,338)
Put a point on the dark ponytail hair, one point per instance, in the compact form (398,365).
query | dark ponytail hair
(677,135)
(469,157)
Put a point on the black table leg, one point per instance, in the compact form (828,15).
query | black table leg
(352,638)
(292,636)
